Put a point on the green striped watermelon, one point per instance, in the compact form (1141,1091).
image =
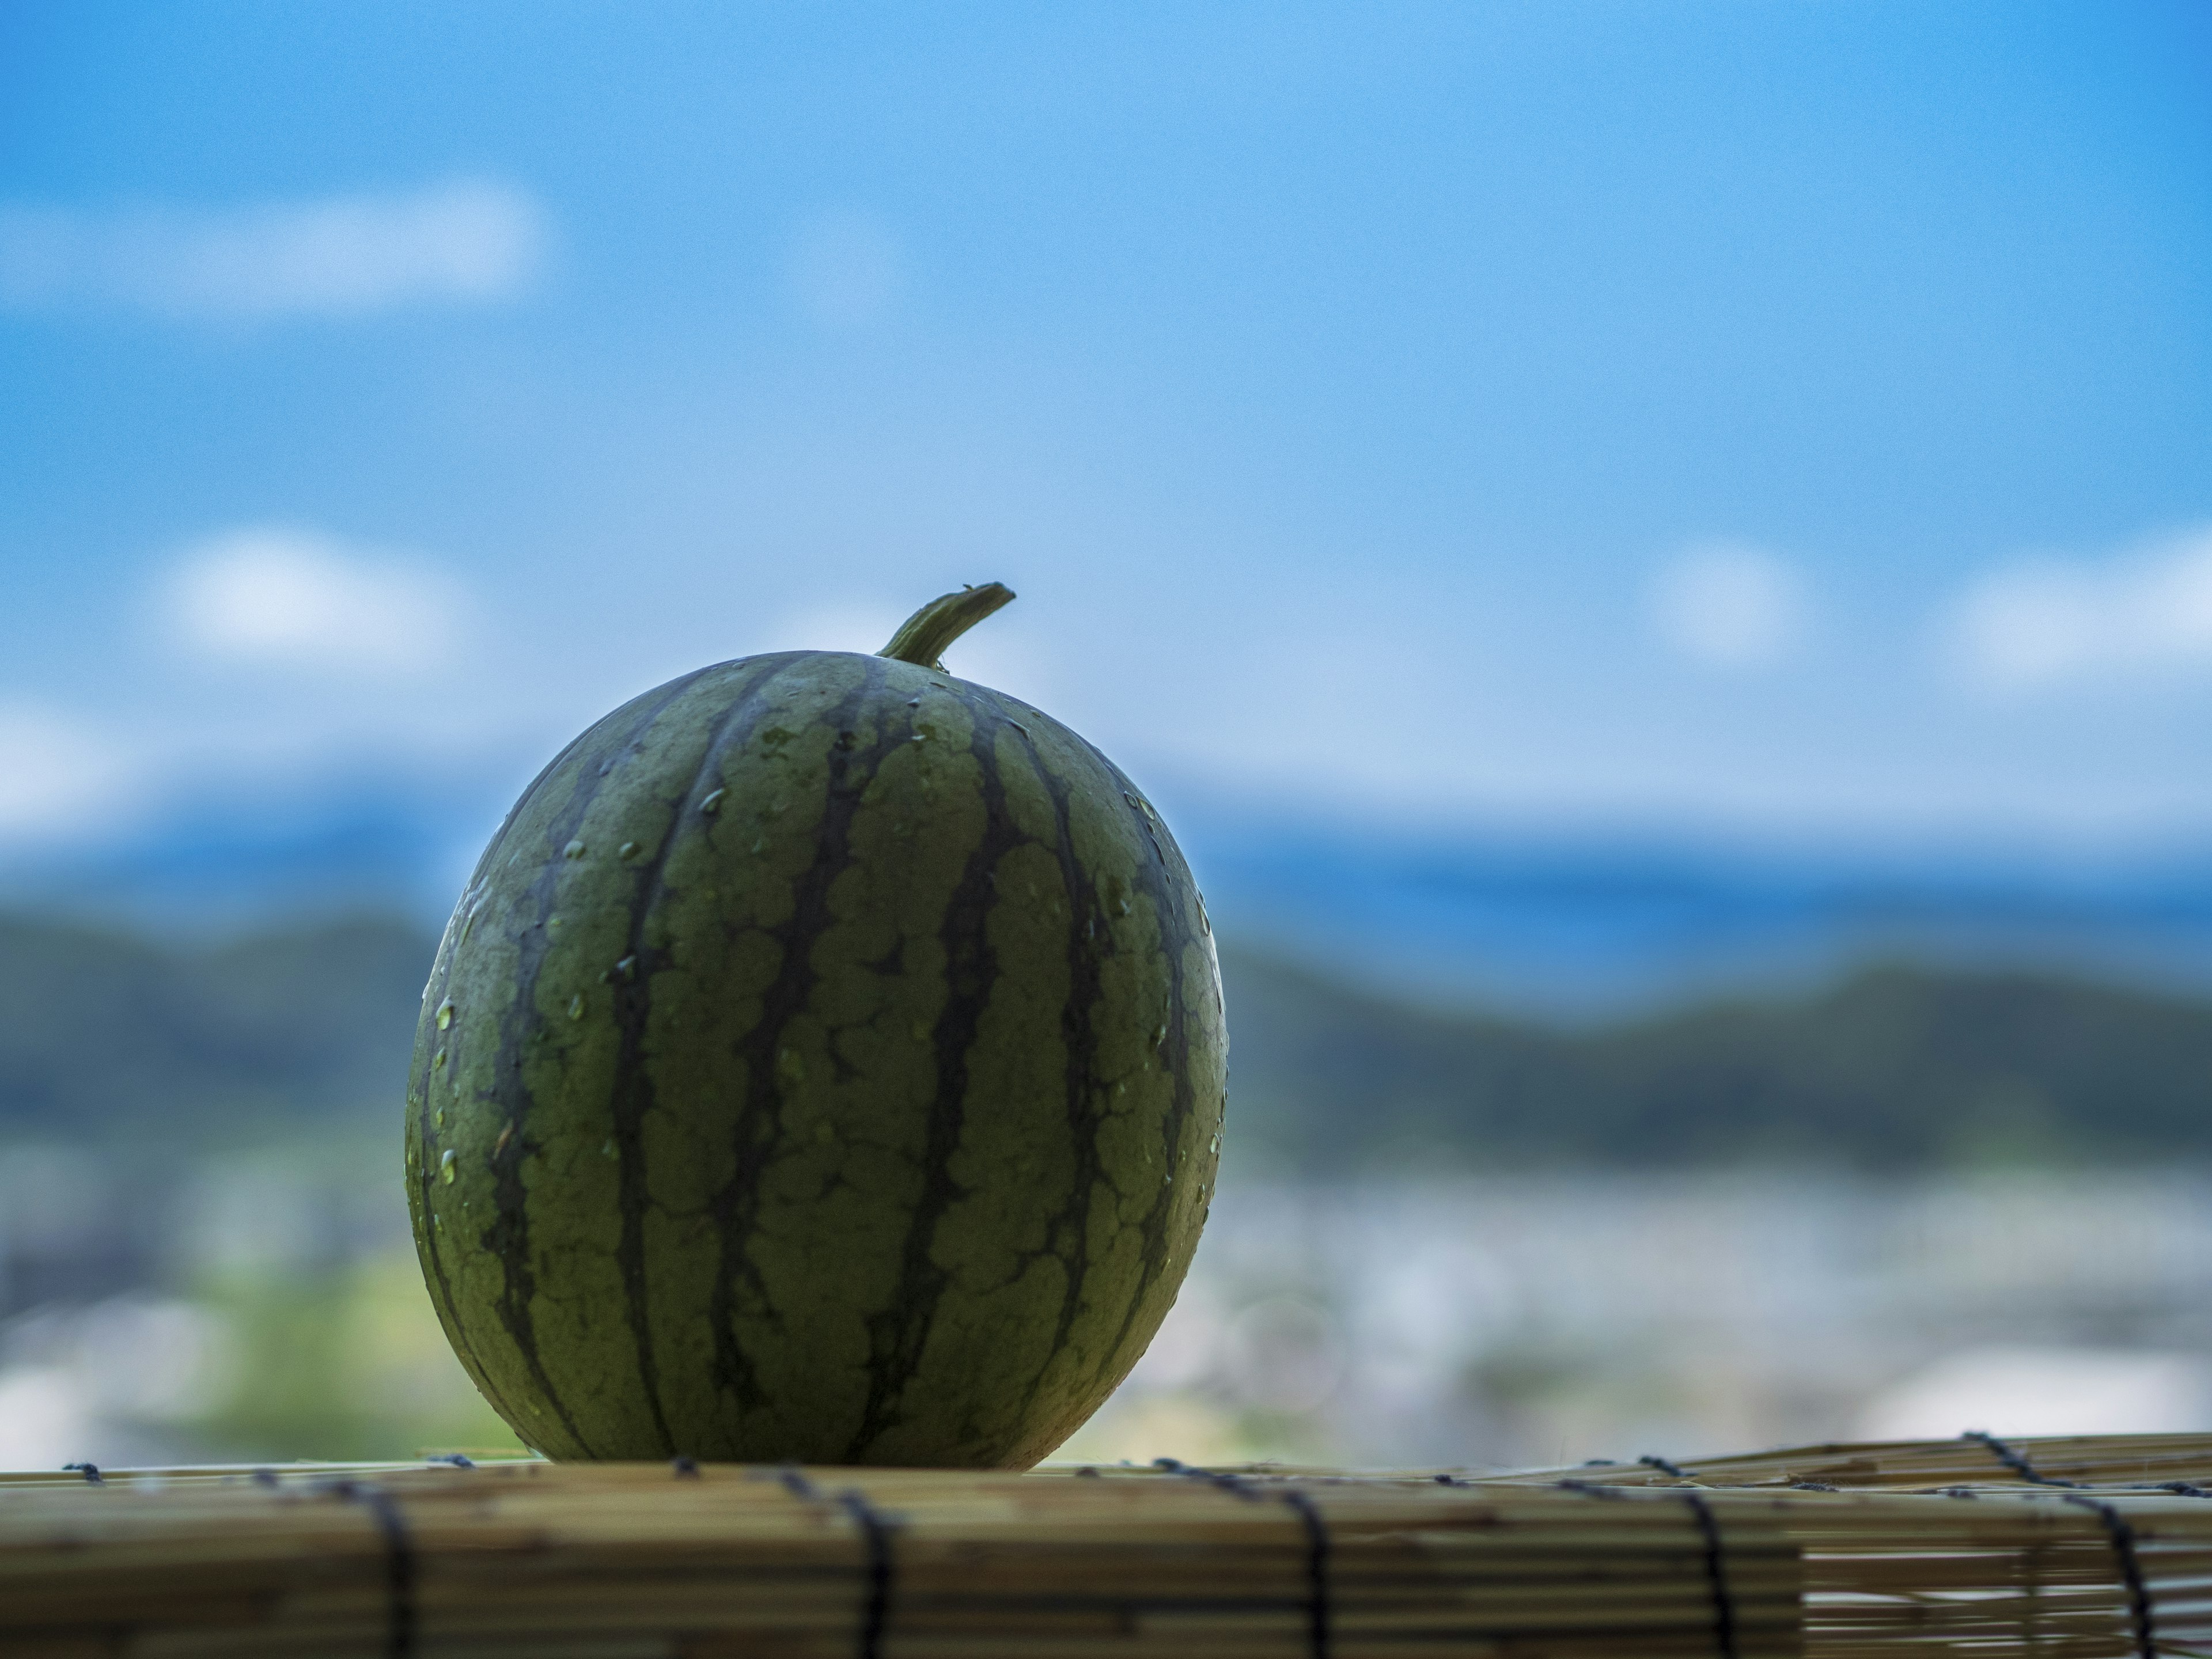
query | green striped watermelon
(825,1062)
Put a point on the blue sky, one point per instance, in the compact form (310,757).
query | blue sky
(1786,421)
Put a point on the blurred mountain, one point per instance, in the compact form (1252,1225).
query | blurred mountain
(1589,926)
(1892,1067)
(226,864)
(104,1035)
(107,1036)
(1575,926)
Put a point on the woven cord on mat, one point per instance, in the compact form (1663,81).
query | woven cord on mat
(399,1561)
(2124,1546)
(1709,1532)
(1716,1575)
(2014,1460)
(1319,1633)
(876,1530)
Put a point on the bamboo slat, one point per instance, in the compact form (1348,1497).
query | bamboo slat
(532,1559)
(2064,1549)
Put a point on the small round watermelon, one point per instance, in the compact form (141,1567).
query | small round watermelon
(825,1063)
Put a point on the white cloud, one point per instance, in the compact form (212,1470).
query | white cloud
(1728,606)
(55,769)
(845,269)
(274,596)
(2045,622)
(461,241)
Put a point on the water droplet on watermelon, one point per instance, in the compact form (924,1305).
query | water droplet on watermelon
(444,1013)
(576,1006)
(574,849)
(713,802)
(437,1118)
(445,1167)
(609,1149)
(627,850)
(438,1063)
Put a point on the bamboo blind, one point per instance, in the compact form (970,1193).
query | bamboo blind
(2063,1549)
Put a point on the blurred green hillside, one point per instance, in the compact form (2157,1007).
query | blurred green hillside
(103,1033)
(104,1037)
(1894,1068)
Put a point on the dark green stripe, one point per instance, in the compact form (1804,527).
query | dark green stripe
(898,1333)
(1087,924)
(442,1299)
(1157,880)
(736,1208)
(634,1095)
(508,1237)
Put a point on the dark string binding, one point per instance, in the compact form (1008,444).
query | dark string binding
(1317,1608)
(877,1529)
(2124,1546)
(1590,1489)
(1320,1620)
(1716,1573)
(1666,1467)
(89,1471)
(1709,1528)
(2014,1461)
(398,1563)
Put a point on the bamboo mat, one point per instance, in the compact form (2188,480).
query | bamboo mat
(1972,1459)
(1967,1547)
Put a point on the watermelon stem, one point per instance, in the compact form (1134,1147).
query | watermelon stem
(921,639)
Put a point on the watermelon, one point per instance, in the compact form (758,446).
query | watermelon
(825,1062)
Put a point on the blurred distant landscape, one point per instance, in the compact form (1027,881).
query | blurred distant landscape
(1658,560)
(1451,1228)
(111,1040)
